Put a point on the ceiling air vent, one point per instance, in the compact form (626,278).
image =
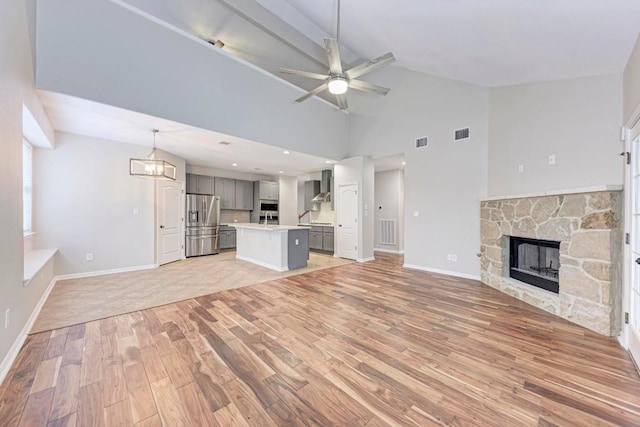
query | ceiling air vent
(461,134)
(421,142)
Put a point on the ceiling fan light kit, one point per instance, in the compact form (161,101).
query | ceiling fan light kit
(150,167)
(338,85)
(338,81)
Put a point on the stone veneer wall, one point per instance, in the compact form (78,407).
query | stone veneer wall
(588,226)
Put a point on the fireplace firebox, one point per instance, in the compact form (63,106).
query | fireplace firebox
(536,262)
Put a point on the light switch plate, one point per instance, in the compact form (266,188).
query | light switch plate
(520,168)
(552,159)
(416,213)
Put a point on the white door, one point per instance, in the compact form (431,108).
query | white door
(633,269)
(348,221)
(169,221)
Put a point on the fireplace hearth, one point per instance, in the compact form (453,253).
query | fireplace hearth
(536,262)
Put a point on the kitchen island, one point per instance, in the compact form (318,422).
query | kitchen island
(278,247)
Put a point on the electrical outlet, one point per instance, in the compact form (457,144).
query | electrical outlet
(6,318)
(136,211)
(520,168)
(297,243)
(452,257)
(89,256)
(552,159)
(416,213)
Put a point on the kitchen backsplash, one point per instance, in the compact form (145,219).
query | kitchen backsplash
(229,217)
(325,214)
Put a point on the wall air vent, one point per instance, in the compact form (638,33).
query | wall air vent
(421,142)
(461,134)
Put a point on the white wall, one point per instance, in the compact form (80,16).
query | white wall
(288,203)
(445,180)
(388,205)
(576,120)
(16,89)
(631,83)
(148,68)
(85,201)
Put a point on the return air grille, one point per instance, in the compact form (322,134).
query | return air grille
(421,142)
(388,231)
(461,134)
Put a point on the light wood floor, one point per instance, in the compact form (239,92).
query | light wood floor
(362,344)
(85,299)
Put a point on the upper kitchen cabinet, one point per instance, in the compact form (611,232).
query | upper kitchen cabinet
(225,188)
(269,190)
(199,184)
(244,195)
(311,190)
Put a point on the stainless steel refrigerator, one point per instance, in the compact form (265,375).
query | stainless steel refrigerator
(202,225)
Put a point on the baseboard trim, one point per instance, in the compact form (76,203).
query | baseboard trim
(103,272)
(438,271)
(262,264)
(11,356)
(389,251)
(366,259)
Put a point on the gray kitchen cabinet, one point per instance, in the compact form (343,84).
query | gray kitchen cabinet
(315,238)
(327,239)
(225,188)
(244,195)
(269,190)
(199,184)
(311,190)
(227,237)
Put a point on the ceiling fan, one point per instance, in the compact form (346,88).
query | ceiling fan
(339,81)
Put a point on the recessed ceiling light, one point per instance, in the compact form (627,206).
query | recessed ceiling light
(329,162)
(286,152)
(224,143)
(404,163)
(234,164)
(280,171)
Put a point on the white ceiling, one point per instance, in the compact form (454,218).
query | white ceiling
(197,146)
(486,42)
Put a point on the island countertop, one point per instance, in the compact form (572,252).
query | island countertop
(274,227)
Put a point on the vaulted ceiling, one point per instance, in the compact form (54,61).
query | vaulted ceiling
(486,42)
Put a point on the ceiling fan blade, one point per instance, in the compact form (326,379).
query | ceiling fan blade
(370,66)
(316,91)
(368,87)
(306,74)
(331,46)
(342,101)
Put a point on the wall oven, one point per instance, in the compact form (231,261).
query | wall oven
(269,212)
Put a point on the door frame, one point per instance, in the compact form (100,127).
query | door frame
(338,248)
(631,132)
(156,220)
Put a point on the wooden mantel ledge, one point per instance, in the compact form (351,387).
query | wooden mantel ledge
(594,189)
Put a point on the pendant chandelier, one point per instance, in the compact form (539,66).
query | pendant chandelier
(150,167)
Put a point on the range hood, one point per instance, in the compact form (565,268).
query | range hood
(325,188)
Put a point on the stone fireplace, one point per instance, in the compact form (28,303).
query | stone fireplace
(536,262)
(585,230)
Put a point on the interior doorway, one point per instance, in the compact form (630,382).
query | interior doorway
(169,220)
(348,221)
(389,204)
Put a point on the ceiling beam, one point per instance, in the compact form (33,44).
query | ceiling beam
(271,23)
